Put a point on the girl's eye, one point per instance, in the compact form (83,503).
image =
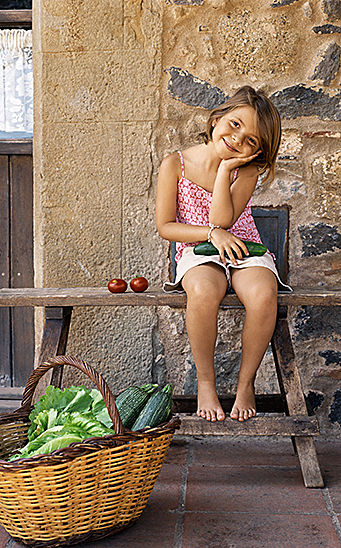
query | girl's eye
(252,142)
(235,124)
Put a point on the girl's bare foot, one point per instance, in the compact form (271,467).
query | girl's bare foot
(209,407)
(244,406)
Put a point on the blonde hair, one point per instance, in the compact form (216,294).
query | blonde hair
(269,125)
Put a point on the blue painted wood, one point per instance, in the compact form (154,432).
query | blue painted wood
(273,226)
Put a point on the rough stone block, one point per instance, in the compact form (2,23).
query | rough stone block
(83,87)
(118,342)
(142,59)
(326,186)
(291,143)
(246,38)
(80,200)
(299,100)
(82,26)
(322,322)
(332,9)
(327,29)
(142,249)
(226,365)
(184,87)
(319,238)
(335,408)
(329,66)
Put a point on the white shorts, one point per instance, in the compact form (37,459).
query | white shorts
(189,260)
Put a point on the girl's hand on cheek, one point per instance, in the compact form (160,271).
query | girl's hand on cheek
(224,241)
(231,164)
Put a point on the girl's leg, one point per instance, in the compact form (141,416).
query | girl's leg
(205,286)
(256,288)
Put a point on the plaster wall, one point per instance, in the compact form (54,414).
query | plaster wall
(119,86)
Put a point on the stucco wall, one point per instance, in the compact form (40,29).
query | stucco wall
(119,86)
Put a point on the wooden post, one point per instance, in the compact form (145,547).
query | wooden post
(54,340)
(289,377)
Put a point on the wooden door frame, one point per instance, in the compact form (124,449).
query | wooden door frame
(12,150)
(16,19)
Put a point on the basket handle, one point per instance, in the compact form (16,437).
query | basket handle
(97,378)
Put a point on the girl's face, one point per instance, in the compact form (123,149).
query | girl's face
(236,133)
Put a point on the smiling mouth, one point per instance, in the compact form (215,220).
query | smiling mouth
(229,147)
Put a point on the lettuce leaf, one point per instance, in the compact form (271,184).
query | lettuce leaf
(75,398)
(73,414)
(43,421)
(89,424)
(54,444)
(81,402)
(99,408)
(54,398)
(79,425)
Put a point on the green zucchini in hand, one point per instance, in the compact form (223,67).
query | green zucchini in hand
(131,401)
(157,409)
(207,248)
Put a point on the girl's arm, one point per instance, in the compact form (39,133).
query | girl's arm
(166,205)
(229,200)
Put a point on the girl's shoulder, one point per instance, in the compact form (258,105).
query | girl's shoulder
(175,161)
(174,165)
(172,161)
(170,169)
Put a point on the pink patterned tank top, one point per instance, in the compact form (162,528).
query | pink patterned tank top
(193,208)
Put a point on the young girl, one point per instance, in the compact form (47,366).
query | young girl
(204,193)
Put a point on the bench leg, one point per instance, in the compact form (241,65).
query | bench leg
(54,340)
(290,382)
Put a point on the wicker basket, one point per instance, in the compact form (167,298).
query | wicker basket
(85,491)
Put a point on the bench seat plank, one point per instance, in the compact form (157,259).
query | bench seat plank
(266,425)
(100,296)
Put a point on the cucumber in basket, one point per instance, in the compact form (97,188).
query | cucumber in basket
(207,248)
(157,409)
(131,401)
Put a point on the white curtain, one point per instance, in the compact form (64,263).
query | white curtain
(16,82)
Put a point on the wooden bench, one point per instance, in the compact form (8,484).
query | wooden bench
(285,414)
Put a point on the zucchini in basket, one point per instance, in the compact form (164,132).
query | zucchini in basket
(157,409)
(207,248)
(131,401)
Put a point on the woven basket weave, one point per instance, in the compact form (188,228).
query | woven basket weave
(87,490)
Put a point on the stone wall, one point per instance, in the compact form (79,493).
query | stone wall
(119,86)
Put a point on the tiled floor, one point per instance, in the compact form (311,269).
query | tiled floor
(235,493)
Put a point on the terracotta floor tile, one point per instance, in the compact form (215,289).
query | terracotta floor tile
(329,452)
(177,452)
(261,531)
(334,489)
(154,529)
(331,475)
(253,489)
(4,537)
(166,492)
(245,452)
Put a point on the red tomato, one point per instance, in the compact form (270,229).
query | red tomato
(139,284)
(117,285)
